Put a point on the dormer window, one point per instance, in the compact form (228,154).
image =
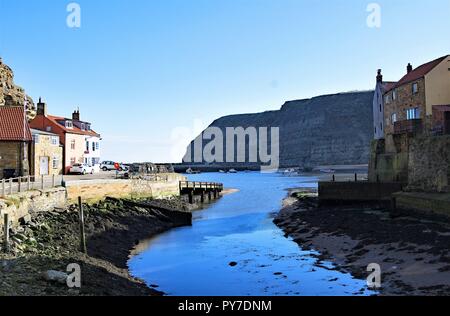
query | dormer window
(83,126)
(415,88)
(69,124)
(88,127)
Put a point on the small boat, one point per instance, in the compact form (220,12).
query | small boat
(222,171)
(192,171)
(232,171)
(327,170)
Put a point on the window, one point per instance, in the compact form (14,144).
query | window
(36,139)
(387,99)
(97,145)
(93,146)
(413,114)
(381,127)
(394,118)
(69,124)
(55,140)
(394,95)
(381,109)
(415,88)
(88,127)
(48,129)
(73,161)
(55,162)
(72,144)
(83,126)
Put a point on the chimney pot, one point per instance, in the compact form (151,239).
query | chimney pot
(76,115)
(409,68)
(41,108)
(379,76)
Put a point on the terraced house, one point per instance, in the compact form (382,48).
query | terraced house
(80,143)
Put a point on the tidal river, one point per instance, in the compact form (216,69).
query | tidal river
(195,261)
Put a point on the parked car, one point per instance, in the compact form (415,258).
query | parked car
(81,168)
(108,165)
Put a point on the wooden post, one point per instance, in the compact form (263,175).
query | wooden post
(191,197)
(83,247)
(356,177)
(202,193)
(334,178)
(6,233)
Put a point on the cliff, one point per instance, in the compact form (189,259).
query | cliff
(11,94)
(326,130)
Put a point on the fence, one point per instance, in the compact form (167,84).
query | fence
(23,184)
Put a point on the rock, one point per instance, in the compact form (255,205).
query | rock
(56,276)
(325,130)
(25,220)
(232,264)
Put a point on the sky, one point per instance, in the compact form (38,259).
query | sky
(151,74)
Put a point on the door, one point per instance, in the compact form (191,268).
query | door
(447,123)
(43,166)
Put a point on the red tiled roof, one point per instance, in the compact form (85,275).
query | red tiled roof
(74,130)
(12,124)
(388,85)
(419,72)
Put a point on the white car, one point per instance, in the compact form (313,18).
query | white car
(108,165)
(81,168)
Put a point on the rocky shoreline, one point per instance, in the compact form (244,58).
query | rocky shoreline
(412,249)
(50,242)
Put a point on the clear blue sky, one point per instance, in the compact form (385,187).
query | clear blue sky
(140,69)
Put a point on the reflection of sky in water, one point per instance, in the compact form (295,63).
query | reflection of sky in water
(195,260)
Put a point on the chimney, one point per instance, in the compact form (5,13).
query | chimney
(379,76)
(76,115)
(409,68)
(41,108)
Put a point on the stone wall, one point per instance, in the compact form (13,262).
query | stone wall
(94,190)
(429,164)
(19,206)
(331,192)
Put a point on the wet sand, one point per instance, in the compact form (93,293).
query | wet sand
(412,249)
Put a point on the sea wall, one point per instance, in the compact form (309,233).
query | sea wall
(95,190)
(20,206)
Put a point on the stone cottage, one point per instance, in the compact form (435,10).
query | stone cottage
(46,154)
(15,138)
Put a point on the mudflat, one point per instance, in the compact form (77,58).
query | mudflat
(412,249)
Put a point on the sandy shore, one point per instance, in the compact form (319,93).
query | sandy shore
(50,241)
(412,250)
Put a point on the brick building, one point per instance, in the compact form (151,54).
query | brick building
(15,138)
(420,101)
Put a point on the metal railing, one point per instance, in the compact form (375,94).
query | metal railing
(29,183)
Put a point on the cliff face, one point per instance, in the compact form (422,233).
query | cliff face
(325,130)
(11,94)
